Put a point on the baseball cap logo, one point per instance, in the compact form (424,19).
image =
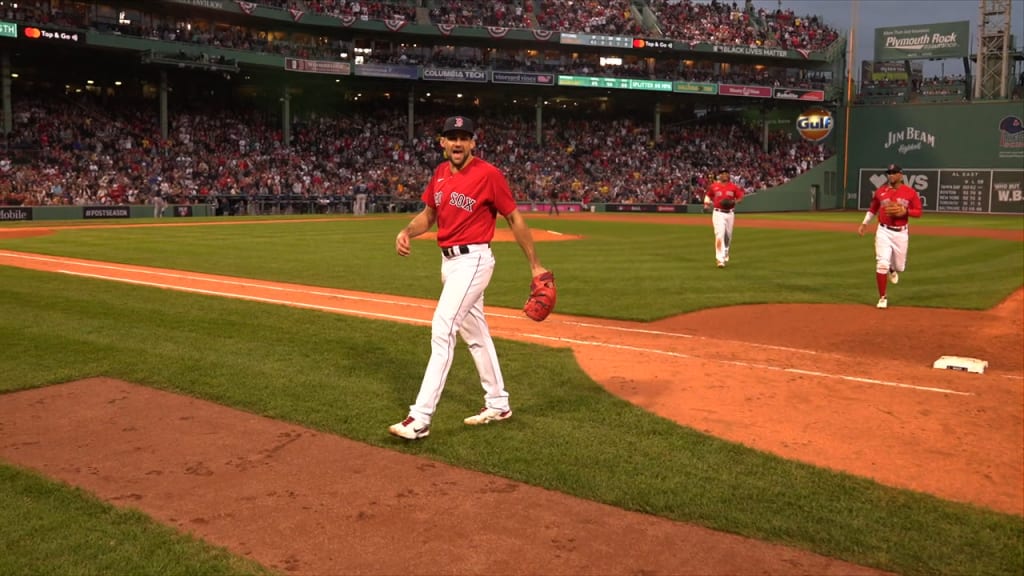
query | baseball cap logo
(459,122)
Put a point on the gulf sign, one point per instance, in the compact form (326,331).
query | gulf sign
(814,124)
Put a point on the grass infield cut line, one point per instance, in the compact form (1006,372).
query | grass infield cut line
(753,365)
(537,336)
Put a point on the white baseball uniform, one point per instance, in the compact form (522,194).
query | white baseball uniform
(466,203)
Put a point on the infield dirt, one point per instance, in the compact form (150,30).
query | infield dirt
(806,382)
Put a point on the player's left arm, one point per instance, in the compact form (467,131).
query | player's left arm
(914,207)
(521,232)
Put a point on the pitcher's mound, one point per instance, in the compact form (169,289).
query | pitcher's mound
(305,502)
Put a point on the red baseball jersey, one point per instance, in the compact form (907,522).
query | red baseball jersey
(467,202)
(719,191)
(901,194)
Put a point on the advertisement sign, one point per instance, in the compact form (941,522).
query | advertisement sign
(388,71)
(877,71)
(695,87)
(498,77)
(15,213)
(615,83)
(954,190)
(652,44)
(46,33)
(595,40)
(801,94)
(815,125)
(455,74)
(94,212)
(1008,191)
(215,4)
(8,29)
(546,207)
(748,91)
(750,51)
(938,41)
(673,208)
(318,66)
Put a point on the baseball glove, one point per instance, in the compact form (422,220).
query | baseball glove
(894,209)
(727,204)
(542,296)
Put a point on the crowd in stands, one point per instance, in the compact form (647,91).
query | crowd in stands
(363,10)
(78,153)
(204,33)
(683,20)
(915,90)
(514,14)
(610,17)
(942,89)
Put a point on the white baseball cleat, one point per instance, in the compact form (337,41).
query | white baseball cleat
(488,415)
(894,277)
(720,264)
(882,303)
(410,429)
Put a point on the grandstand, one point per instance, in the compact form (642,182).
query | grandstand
(287,105)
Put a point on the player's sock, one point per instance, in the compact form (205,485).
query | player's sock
(881,278)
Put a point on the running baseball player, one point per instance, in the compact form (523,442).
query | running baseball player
(463,197)
(894,203)
(722,197)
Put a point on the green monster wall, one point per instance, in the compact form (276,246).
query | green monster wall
(959,157)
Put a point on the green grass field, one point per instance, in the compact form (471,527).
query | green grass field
(58,328)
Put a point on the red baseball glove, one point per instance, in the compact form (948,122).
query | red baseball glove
(542,296)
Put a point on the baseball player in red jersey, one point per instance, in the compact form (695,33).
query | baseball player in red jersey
(723,217)
(464,197)
(894,203)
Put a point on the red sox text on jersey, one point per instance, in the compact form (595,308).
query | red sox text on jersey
(903,195)
(719,191)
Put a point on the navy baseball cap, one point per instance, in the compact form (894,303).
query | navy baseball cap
(1011,124)
(894,169)
(457,124)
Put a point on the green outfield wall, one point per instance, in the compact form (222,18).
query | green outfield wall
(98,213)
(959,157)
(816,189)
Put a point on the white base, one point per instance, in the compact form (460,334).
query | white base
(961,363)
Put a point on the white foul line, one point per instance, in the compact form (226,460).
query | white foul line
(750,365)
(203,278)
(252,298)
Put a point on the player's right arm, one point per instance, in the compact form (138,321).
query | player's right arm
(418,225)
(870,215)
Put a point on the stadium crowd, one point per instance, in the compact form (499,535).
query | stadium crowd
(682,20)
(78,153)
